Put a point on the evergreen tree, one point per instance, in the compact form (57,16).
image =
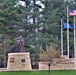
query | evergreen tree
(8,17)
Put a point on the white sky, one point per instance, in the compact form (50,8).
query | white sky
(37,2)
(40,3)
(22,3)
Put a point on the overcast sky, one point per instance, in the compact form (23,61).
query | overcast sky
(37,2)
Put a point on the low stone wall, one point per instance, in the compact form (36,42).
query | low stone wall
(59,64)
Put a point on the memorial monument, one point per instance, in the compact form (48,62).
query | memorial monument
(19,60)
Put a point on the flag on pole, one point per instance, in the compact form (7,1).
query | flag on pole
(72,12)
(65,26)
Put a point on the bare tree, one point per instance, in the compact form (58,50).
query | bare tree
(47,56)
(50,53)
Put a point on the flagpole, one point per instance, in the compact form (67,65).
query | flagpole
(67,31)
(61,37)
(74,39)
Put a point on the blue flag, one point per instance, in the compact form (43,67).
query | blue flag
(65,26)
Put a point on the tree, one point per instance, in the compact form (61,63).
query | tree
(49,55)
(45,25)
(8,19)
(4,48)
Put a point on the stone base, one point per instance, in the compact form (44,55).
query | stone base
(19,61)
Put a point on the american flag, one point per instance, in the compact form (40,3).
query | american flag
(72,12)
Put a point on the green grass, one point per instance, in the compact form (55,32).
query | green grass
(59,72)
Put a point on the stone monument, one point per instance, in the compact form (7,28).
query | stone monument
(19,60)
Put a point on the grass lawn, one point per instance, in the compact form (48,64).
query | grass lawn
(58,72)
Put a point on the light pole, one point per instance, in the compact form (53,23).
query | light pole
(49,67)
